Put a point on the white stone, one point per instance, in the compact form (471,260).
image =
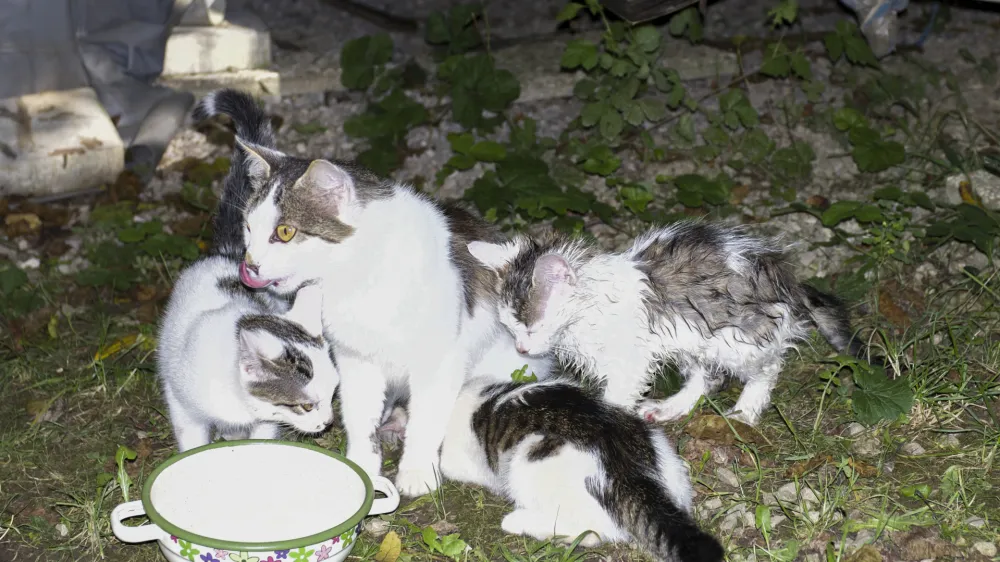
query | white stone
(257,82)
(787,493)
(983,183)
(854,429)
(727,477)
(62,529)
(912,449)
(30,263)
(57,142)
(204,12)
(242,42)
(949,441)
(985,548)
(975,522)
(712,505)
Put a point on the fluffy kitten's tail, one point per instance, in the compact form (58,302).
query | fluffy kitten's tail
(253,126)
(636,497)
(830,316)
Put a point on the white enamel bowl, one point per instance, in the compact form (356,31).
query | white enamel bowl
(255,501)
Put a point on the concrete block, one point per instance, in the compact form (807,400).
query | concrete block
(57,142)
(240,42)
(260,83)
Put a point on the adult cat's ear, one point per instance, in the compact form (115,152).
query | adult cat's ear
(259,159)
(494,256)
(330,187)
(553,269)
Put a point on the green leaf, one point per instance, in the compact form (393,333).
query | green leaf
(633,114)
(838,212)
(784,13)
(762,518)
(131,235)
(461,162)
(611,124)
(834,46)
(879,397)
(308,128)
(461,142)
(653,108)
(601,161)
(868,213)
(747,114)
(488,151)
(858,51)
(801,66)
(584,89)
(624,93)
(568,12)
(794,162)
(756,146)
(889,193)
(776,61)
(647,38)
(12,279)
(635,198)
(124,454)
(846,119)
(592,113)
(685,128)
(878,156)
(436,30)
(360,56)
(579,53)
(922,200)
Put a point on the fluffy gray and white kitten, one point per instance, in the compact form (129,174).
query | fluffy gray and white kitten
(707,297)
(235,359)
(571,463)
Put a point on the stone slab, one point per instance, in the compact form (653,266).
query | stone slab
(260,83)
(240,42)
(57,142)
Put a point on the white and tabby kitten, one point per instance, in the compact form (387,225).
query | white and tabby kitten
(572,463)
(707,297)
(237,360)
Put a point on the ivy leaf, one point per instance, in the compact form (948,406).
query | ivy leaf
(635,198)
(647,38)
(611,124)
(879,397)
(488,151)
(568,12)
(838,212)
(360,56)
(654,109)
(579,53)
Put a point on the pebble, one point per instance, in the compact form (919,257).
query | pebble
(976,522)
(63,530)
(30,263)
(727,477)
(950,441)
(712,504)
(867,446)
(789,494)
(854,429)
(912,449)
(985,548)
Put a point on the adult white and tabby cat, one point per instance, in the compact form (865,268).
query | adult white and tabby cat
(571,462)
(707,297)
(239,360)
(406,304)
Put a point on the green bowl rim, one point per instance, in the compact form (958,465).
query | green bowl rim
(200,540)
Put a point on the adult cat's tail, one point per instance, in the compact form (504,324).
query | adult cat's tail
(638,499)
(252,126)
(829,314)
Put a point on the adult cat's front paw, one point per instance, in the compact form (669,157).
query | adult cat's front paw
(416,481)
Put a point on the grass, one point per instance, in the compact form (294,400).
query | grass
(82,421)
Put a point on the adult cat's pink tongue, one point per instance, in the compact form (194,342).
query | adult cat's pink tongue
(250,281)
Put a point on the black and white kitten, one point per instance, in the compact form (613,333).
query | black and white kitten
(707,297)
(571,463)
(239,360)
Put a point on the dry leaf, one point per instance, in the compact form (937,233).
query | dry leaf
(967,195)
(863,469)
(117,346)
(738,194)
(715,428)
(818,202)
(892,311)
(390,548)
(19,224)
(802,467)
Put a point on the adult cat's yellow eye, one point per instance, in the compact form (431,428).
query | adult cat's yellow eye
(285,232)
(307,407)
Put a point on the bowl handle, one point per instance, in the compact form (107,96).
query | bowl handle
(142,533)
(391,500)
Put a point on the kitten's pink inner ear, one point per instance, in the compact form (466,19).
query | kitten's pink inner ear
(552,269)
(331,183)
